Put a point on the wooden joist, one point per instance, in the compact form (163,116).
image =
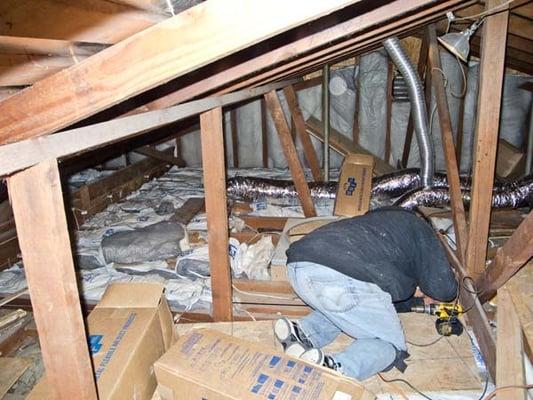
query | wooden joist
(192,39)
(23,154)
(43,235)
(486,136)
(342,145)
(291,155)
(96,196)
(212,138)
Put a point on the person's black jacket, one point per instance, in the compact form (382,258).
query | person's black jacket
(391,247)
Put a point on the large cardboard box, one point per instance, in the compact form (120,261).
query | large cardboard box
(129,330)
(355,185)
(207,364)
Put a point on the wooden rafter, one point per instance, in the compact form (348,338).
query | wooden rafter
(23,154)
(94,21)
(198,36)
(357,44)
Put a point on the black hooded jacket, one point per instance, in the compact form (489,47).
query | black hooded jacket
(391,247)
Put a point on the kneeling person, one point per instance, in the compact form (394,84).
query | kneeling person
(355,273)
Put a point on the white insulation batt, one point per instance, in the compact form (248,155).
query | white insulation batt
(367,82)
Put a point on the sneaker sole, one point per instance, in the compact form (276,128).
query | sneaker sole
(315,356)
(283,330)
(295,350)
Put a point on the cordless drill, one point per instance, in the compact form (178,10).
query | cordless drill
(447,322)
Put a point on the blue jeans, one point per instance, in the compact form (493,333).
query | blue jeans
(359,309)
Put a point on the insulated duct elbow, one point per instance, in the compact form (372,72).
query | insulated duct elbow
(418,107)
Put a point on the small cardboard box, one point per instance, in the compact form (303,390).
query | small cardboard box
(207,364)
(355,185)
(129,330)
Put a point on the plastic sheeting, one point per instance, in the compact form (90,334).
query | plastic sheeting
(367,83)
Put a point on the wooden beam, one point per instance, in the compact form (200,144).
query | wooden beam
(512,256)
(510,350)
(452,170)
(20,155)
(189,209)
(299,126)
(212,138)
(298,176)
(476,314)
(264,133)
(304,45)
(159,155)
(83,20)
(486,137)
(43,235)
(421,67)
(234,138)
(343,146)
(192,39)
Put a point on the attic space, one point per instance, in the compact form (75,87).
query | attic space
(243,199)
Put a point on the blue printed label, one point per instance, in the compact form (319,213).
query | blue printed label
(232,250)
(95,343)
(349,186)
(114,346)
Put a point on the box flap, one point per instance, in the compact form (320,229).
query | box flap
(132,295)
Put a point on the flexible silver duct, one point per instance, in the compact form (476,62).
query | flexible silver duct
(249,188)
(397,183)
(504,195)
(386,187)
(418,107)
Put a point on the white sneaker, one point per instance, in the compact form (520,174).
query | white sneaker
(291,337)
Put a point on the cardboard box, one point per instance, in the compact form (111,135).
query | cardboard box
(207,364)
(129,330)
(355,185)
